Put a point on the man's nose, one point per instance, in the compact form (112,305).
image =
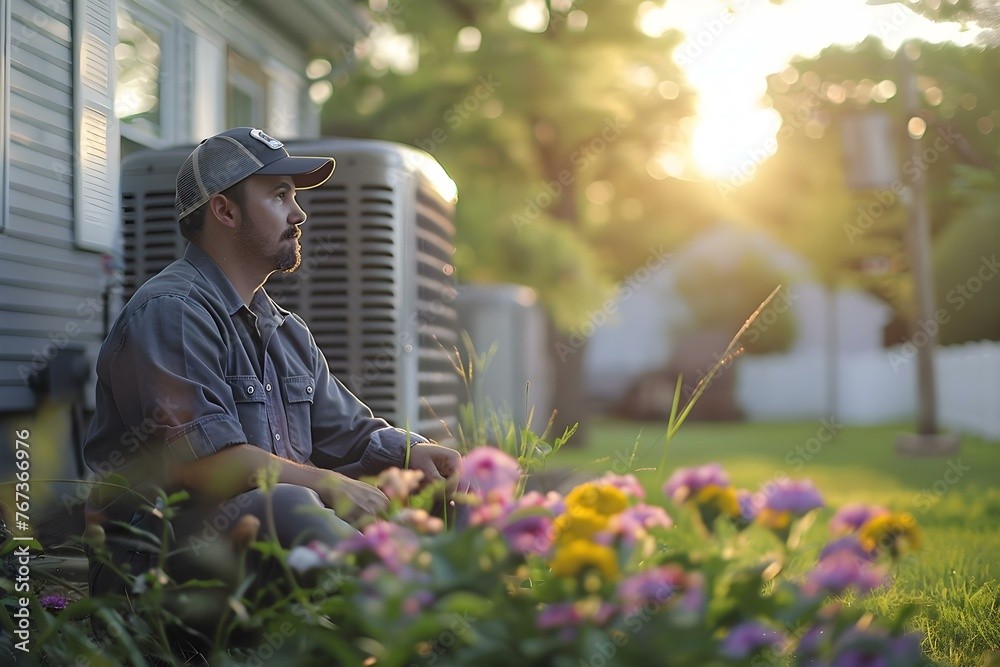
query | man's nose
(298,215)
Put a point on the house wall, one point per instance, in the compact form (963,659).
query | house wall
(59,138)
(49,286)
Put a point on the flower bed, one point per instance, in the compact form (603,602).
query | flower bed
(601,575)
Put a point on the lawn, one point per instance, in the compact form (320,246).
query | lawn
(952,578)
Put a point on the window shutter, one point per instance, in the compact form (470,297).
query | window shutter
(96,183)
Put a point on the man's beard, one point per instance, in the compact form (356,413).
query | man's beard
(290,253)
(286,257)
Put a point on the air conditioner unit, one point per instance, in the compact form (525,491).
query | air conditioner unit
(376,285)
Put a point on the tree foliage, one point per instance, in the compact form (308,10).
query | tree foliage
(551,134)
(859,237)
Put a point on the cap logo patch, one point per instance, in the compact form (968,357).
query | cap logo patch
(265,139)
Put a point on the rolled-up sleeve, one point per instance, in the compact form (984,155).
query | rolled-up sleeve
(346,433)
(168,381)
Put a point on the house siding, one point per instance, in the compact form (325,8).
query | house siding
(48,287)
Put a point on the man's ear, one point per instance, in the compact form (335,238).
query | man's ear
(225,210)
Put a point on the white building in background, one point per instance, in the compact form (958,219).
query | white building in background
(639,336)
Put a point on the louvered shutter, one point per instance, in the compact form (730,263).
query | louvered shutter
(96,187)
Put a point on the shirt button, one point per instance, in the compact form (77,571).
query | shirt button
(277,437)
(309,390)
(267,387)
(250,389)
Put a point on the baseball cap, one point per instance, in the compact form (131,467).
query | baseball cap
(222,161)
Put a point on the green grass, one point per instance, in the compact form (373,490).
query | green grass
(956,501)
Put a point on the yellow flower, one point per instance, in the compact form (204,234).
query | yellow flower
(576,556)
(774,520)
(724,499)
(601,498)
(579,523)
(896,532)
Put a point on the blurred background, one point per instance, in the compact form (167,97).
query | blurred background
(652,170)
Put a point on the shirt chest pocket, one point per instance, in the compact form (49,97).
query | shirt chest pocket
(299,392)
(251,405)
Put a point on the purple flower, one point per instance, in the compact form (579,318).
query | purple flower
(569,614)
(849,544)
(873,648)
(652,586)
(850,518)
(796,497)
(685,482)
(627,484)
(750,504)
(529,535)
(490,474)
(842,570)
(54,602)
(747,638)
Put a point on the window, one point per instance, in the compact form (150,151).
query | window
(246,93)
(140,63)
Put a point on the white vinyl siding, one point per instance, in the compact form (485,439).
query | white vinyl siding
(48,286)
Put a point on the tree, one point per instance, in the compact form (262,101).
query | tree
(550,117)
(858,237)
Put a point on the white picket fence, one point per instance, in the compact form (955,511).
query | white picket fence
(875,387)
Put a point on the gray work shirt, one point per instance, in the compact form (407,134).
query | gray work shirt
(188,369)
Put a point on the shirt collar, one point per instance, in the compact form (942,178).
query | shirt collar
(209,270)
(261,303)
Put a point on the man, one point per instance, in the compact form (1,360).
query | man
(204,381)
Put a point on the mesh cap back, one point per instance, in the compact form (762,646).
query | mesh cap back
(222,161)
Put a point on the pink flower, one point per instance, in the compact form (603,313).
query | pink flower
(686,482)
(551,501)
(634,522)
(529,535)
(489,474)
(394,545)
(627,484)
(418,520)
(398,484)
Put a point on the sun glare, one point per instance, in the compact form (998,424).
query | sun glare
(731,46)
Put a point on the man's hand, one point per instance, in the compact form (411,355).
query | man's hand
(352,499)
(438,463)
